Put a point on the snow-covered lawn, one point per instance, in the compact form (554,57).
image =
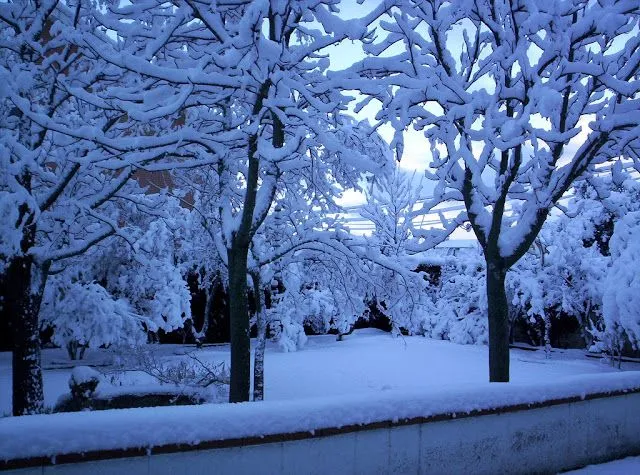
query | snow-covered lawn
(367,361)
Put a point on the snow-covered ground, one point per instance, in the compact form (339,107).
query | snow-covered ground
(365,362)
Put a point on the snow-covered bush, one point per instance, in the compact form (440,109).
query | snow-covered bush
(460,304)
(150,279)
(288,332)
(317,293)
(558,278)
(85,314)
(621,300)
(303,303)
(83,382)
(563,275)
(120,290)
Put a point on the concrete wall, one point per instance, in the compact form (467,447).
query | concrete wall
(512,440)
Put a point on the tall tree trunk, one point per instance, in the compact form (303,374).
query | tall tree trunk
(24,304)
(239,321)
(237,256)
(258,358)
(498,324)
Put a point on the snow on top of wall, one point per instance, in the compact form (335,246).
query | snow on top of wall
(56,434)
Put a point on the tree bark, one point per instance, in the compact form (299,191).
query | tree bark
(258,358)
(23,303)
(239,390)
(498,324)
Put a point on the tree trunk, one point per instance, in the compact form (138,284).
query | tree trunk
(23,304)
(208,308)
(498,324)
(547,335)
(239,321)
(72,350)
(258,358)
(199,336)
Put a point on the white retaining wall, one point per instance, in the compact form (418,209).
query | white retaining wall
(540,440)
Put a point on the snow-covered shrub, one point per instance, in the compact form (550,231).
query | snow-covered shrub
(305,299)
(621,300)
(119,290)
(289,333)
(86,314)
(563,274)
(459,313)
(303,303)
(559,278)
(83,382)
(148,277)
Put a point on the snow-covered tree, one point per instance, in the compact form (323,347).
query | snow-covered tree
(63,159)
(401,296)
(518,99)
(247,79)
(390,202)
